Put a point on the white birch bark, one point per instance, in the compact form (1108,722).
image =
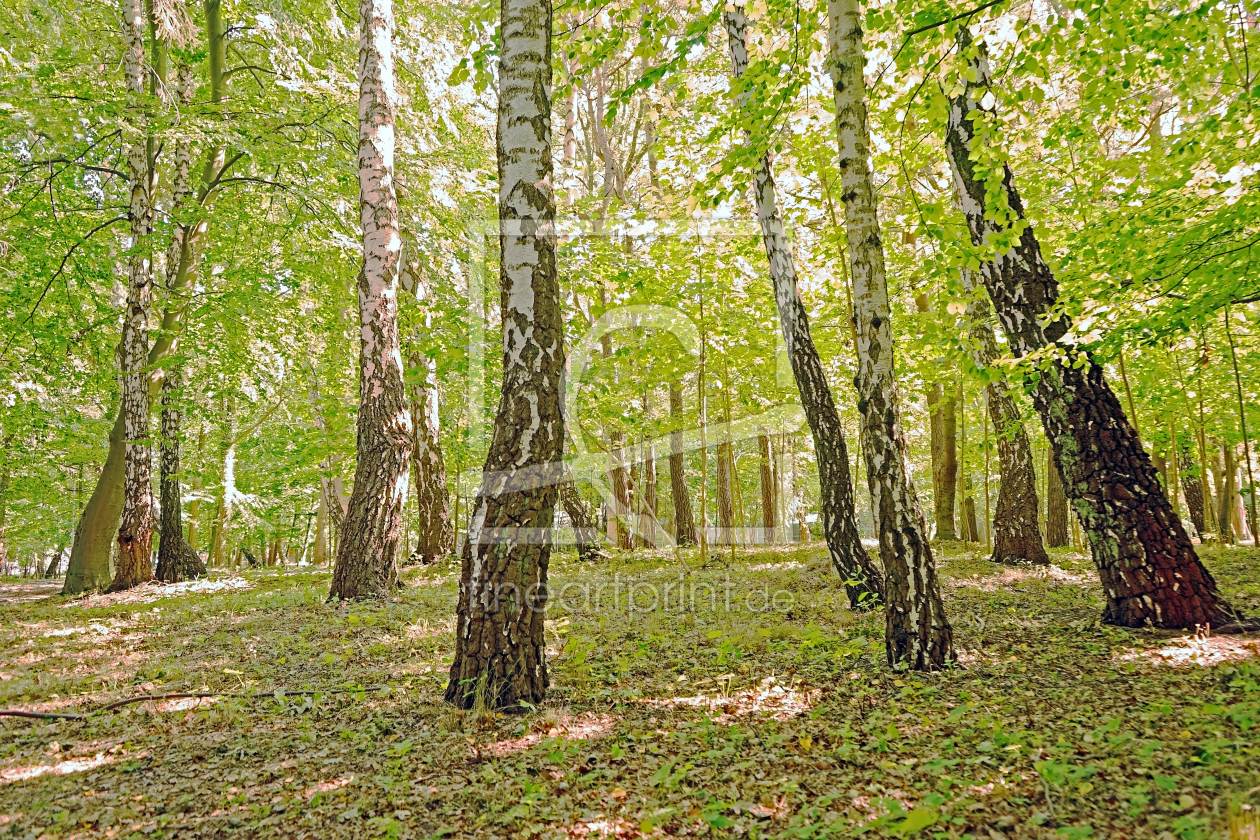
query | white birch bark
(863,581)
(366,561)
(918,634)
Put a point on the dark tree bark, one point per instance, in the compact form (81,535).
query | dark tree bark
(767,486)
(725,498)
(585,528)
(1146,563)
(917,634)
(499,645)
(862,579)
(1192,486)
(1227,512)
(971,529)
(177,560)
(433,503)
(1016,531)
(367,563)
(135,531)
(618,533)
(1056,505)
(684,521)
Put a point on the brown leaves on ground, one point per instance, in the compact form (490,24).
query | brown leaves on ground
(737,702)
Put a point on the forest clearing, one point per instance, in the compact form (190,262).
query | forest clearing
(629,418)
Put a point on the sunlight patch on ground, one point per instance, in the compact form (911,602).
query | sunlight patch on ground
(605,827)
(570,727)
(770,699)
(1011,577)
(776,567)
(153,591)
(425,629)
(20,593)
(74,765)
(327,787)
(1202,650)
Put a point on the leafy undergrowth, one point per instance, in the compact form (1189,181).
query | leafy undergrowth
(740,701)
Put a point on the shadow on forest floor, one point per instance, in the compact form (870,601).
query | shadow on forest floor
(745,700)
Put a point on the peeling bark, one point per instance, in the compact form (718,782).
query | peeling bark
(500,652)
(1147,565)
(918,635)
(366,563)
(863,580)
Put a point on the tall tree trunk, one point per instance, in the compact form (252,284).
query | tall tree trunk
(725,498)
(1192,485)
(176,558)
(135,532)
(194,507)
(918,635)
(684,521)
(227,486)
(89,565)
(1056,505)
(319,548)
(1228,495)
(367,562)
(499,645)
(433,502)
(863,581)
(4,500)
(1147,565)
(943,420)
(1016,531)
(585,528)
(767,486)
(647,514)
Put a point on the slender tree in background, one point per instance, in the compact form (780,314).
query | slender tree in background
(766,477)
(366,564)
(433,502)
(176,558)
(918,635)
(862,579)
(684,521)
(499,645)
(1192,486)
(943,429)
(1147,565)
(135,533)
(1016,531)
(1056,505)
(1228,496)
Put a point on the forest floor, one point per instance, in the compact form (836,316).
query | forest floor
(763,709)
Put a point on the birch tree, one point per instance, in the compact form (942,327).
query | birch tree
(1148,568)
(918,635)
(500,652)
(135,532)
(862,579)
(366,561)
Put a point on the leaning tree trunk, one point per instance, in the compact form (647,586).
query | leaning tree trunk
(918,634)
(585,528)
(684,521)
(1147,565)
(1016,531)
(176,558)
(135,532)
(767,486)
(500,650)
(863,581)
(433,502)
(367,562)
(1056,505)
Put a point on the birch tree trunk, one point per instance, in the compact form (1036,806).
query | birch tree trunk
(863,581)
(135,532)
(366,564)
(88,568)
(177,560)
(499,646)
(1016,531)
(1147,565)
(1056,505)
(918,634)
(433,502)
(767,486)
(684,521)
